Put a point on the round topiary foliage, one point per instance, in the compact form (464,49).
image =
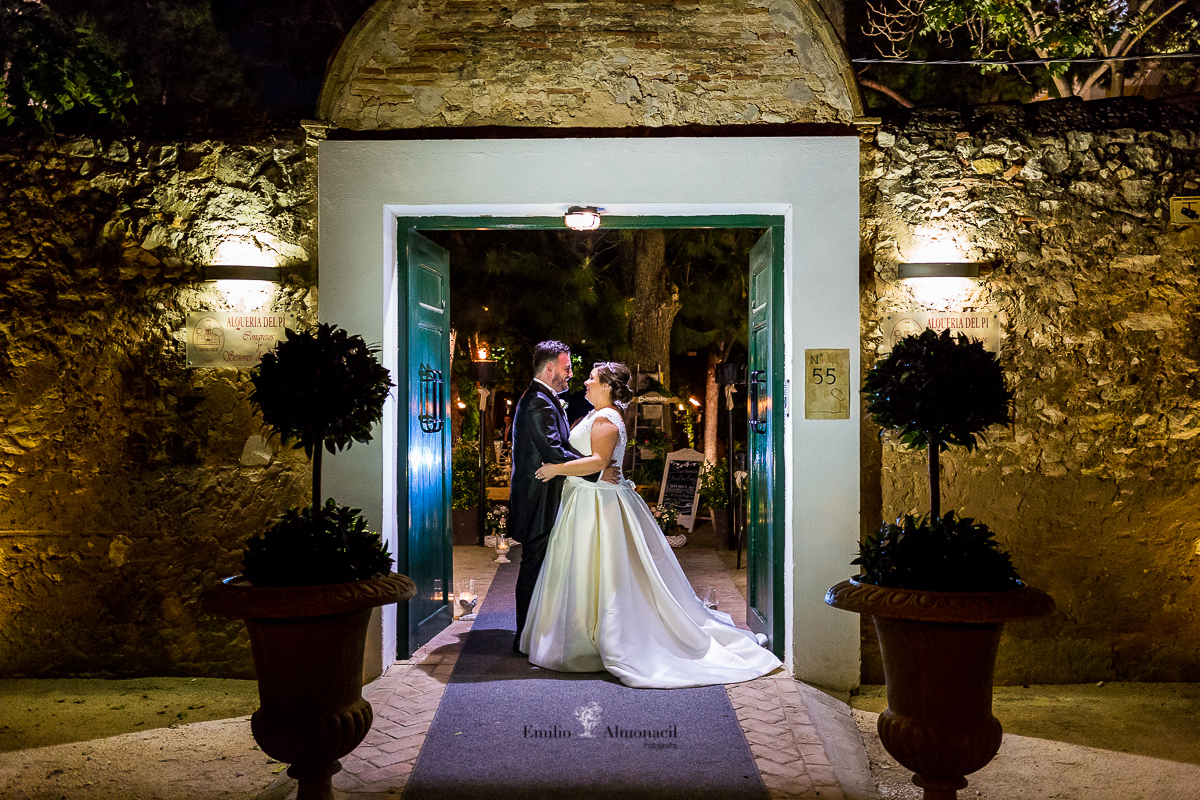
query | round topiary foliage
(321,386)
(312,548)
(938,554)
(938,388)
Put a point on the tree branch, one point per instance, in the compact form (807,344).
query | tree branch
(892,93)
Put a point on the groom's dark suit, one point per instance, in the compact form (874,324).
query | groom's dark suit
(539,435)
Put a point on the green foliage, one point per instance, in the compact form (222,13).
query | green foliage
(687,419)
(714,488)
(173,50)
(321,387)
(464,475)
(307,548)
(648,472)
(657,441)
(937,389)
(710,268)
(942,554)
(1041,29)
(515,289)
(51,67)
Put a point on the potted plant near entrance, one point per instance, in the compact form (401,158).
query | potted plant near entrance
(938,587)
(464,492)
(714,495)
(310,581)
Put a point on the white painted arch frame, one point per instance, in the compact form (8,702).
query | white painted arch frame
(812,182)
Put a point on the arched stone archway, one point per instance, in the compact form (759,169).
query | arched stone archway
(606,63)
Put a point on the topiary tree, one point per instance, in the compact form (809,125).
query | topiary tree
(319,390)
(935,391)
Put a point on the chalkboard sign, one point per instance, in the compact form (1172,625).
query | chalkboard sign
(681,484)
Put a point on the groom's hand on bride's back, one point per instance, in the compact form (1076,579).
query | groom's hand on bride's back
(611,474)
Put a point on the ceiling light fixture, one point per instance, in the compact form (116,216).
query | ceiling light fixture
(582,218)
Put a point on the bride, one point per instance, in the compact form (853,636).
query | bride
(611,594)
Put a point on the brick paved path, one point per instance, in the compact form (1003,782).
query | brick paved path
(775,711)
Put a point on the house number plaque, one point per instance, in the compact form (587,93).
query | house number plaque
(827,384)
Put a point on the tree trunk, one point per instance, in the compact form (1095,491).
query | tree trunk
(316,480)
(712,402)
(935,484)
(655,304)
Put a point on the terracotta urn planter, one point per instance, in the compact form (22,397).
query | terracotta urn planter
(308,655)
(939,655)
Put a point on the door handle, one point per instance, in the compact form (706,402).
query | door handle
(756,377)
(430,400)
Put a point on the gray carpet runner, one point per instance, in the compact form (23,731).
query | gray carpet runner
(505,728)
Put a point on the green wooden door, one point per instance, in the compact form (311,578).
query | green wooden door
(425,553)
(764,375)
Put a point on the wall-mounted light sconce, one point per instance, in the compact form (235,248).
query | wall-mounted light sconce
(694,402)
(940,283)
(245,287)
(240,272)
(940,269)
(582,218)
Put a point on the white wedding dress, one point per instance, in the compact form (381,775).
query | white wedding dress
(612,596)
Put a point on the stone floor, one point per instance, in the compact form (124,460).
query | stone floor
(177,738)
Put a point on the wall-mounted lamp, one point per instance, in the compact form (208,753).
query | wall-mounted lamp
(245,287)
(940,269)
(239,272)
(694,402)
(582,218)
(940,283)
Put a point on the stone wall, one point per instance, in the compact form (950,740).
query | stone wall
(1095,488)
(123,491)
(605,64)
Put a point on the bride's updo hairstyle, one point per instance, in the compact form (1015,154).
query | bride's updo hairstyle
(617,378)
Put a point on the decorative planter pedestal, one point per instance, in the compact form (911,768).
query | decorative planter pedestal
(308,655)
(939,656)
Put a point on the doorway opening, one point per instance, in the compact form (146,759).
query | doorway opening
(580,275)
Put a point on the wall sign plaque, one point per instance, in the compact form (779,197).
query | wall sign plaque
(231,340)
(984,326)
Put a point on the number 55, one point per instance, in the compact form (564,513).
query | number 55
(829,376)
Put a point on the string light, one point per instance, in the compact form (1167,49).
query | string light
(1027,62)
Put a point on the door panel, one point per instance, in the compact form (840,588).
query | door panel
(764,540)
(428,552)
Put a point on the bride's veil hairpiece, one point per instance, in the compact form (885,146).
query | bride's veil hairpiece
(617,377)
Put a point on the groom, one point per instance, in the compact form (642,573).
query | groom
(539,435)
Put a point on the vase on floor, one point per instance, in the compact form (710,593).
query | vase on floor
(308,644)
